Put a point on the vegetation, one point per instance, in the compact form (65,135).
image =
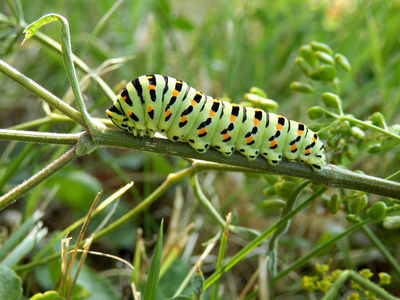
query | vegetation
(96,220)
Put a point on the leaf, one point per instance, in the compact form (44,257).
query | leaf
(182,23)
(49,295)
(91,286)
(150,291)
(10,284)
(78,188)
(31,29)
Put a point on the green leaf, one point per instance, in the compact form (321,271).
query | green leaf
(31,29)
(182,23)
(78,188)
(91,286)
(14,239)
(49,295)
(150,291)
(10,284)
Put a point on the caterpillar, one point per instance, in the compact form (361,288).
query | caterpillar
(157,103)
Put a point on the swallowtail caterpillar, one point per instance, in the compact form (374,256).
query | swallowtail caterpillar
(157,103)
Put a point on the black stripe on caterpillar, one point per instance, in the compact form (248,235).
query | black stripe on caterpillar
(157,103)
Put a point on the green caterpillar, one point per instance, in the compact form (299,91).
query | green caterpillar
(157,103)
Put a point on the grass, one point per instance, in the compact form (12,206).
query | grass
(222,48)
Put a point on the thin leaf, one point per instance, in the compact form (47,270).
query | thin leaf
(31,29)
(150,291)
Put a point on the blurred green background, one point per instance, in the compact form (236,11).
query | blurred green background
(221,48)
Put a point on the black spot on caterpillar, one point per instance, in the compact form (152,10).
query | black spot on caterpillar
(157,103)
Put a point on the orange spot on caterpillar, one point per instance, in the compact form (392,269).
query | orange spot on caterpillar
(256,122)
(124,98)
(168,112)
(307,151)
(129,113)
(149,108)
(299,132)
(202,130)
(278,126)
(120,119)
(313,139)
(212,113)
(249,139)
(183,119)
(225,136)
(272,143)
(232,118)
(293,147)
(175,93)
(193,102)
(151,87)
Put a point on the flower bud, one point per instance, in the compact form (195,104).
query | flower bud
(326,73)
(308,54)
(342,61)
(316,46)
(324,57)
(301,87)
(377,211)
(331,100)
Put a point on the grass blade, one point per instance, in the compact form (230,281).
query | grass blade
(150,291)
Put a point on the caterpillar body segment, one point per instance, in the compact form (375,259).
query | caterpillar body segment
(157,103)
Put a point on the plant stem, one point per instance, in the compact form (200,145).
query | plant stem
(194,182)
(52,44)
(273,243)
(39,177)
(39,91)
(40,137)
(301,261)
(333,291)
(255,242)
(330,175)
(171,179)
(378,244)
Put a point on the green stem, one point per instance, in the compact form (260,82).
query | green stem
(52,44)
(171,179)
(98,27)
(301,261)
(366,284)
(360,122)
(254,243)
(330,175)
(39,177)
(194,182)
(69,65)
(273,243)
(39,91)
(378,244)
(39,137)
